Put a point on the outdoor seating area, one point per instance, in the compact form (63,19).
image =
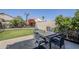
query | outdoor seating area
(30,44)
(52,40)
(47,38)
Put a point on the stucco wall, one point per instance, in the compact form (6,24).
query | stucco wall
(44,24)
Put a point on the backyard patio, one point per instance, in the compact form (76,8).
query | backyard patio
(28,42)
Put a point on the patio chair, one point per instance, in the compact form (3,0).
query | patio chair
(57,40)
(40,41)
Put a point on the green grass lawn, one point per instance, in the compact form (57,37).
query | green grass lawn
(8,34)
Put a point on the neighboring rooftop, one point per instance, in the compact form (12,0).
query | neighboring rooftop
(5,17)
(38,20)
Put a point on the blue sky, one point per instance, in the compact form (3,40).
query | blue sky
(49,14)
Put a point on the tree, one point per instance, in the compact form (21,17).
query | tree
(63,23)
(69,25)
(59,19)
(17,22)
(43,17)
(75,21)
(27,15)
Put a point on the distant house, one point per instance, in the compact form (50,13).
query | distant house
(4,19)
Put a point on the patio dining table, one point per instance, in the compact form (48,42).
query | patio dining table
(49,37)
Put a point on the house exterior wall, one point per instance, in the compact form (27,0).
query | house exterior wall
(4,19)
(43,25)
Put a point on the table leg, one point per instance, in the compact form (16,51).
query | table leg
(49,45)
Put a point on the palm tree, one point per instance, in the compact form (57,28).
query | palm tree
(27,14)
(43,18)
